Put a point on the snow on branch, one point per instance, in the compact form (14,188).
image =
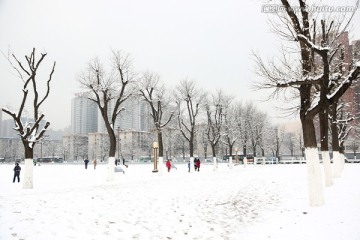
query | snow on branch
(311,45)
(344,85)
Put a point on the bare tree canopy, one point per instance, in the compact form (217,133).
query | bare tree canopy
(109,88)
(153,91)
(30,132)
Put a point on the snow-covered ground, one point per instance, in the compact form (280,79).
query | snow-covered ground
(256,202)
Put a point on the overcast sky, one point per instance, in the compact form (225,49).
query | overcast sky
(207,41)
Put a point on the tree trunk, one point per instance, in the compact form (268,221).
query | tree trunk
(335,141)
(112,150)
(161,145)
(213,149)
(191,145)
(315,185)
(111,169)
(28,174)
(28,181)
(215,163)
(324,136)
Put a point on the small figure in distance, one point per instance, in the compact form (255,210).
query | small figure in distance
(123,159)
(189,166)
(95,163)
(168,165)
(172,164)
(86,161)
(17,170)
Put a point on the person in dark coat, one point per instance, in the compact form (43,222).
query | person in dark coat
(124,162)
(86,161)
(17,170)
(195,165)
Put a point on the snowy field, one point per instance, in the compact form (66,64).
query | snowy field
(256,202)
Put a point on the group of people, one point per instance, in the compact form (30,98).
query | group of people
(197,163)
(169,165)
(117,162)
(86,161)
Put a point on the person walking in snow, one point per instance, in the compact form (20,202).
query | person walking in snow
(189,166)
(168,165)
(17,170)
(86,161)
(198,164)
(123,159)
(95,163)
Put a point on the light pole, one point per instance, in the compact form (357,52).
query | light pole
(155,147)
(118,142)
(236,155)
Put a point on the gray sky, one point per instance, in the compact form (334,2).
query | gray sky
(207,41)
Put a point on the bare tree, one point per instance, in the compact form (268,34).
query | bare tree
(290,143)
(313,85)
(156,95)
(108,89)
(215,109)
(232,121)
(30,133)
(189,101)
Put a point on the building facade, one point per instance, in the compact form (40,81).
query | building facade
(84,116)
(134,116)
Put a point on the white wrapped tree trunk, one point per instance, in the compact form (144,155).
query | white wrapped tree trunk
(111,169)
(191,163)
(315,184)
(161,165)
(231,165)
(245,161)
(337,164)
(28,180)
(342,162)
(327,168)
(215,163)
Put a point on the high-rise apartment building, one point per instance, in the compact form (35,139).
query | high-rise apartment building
(84,116)
(135,116)
(0,121)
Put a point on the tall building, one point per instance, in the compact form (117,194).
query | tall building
(355,52)
(84,116)
(0,121)
(135,116)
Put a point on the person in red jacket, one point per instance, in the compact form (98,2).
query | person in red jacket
(168,165)
(198,165)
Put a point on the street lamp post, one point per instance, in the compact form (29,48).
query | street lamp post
(155,147)
(118,142)
(236,155)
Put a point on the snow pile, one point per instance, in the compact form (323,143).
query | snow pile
(256,202)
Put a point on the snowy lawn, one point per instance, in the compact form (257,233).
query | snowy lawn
(256,202)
